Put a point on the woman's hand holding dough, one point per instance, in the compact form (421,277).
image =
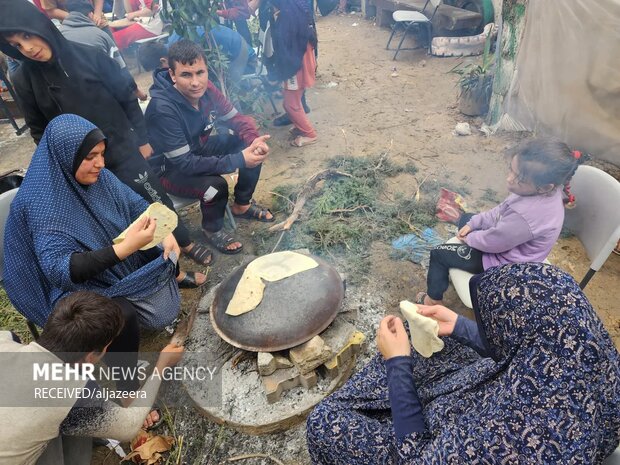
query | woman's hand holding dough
(392,339)
(137,237)
(445,317)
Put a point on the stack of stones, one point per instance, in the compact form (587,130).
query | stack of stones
(324,355)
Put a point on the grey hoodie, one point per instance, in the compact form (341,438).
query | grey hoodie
(78,27)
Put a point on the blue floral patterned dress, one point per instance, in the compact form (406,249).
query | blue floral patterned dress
(550,394)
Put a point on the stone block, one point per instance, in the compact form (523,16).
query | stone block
(268,363)
(331,368)
(282,362)
(310,355)
(337,335)
(285,379)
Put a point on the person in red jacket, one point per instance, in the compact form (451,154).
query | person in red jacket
(182,112)
(237,11)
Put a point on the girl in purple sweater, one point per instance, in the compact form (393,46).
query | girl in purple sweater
(523,228)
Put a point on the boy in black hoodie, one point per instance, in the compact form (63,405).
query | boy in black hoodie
(58,76)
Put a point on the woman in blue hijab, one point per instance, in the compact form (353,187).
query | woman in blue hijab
(60,230)
(541,385)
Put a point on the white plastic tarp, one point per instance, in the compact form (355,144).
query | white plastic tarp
(567,79)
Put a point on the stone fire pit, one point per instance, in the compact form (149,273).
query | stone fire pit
(269,392)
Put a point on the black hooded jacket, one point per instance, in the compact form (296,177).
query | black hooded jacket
(79,79)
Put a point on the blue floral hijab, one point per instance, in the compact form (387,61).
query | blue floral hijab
(54,216)
(549,395)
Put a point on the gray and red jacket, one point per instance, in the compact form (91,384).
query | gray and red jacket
(235,10)
(179,132)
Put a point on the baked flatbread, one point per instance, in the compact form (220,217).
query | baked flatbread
(248,294)
(167,221)
(423,330)
(280,265)
(273,267)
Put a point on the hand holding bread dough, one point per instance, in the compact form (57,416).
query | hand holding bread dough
(166,221)
(423,330)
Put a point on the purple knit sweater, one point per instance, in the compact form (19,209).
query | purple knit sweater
(520,229)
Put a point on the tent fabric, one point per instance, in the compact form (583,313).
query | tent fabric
(567,78)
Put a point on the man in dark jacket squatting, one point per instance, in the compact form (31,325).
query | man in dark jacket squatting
(182,112)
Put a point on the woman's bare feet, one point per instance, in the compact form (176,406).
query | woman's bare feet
(301,141)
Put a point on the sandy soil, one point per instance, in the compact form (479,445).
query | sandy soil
(407,108)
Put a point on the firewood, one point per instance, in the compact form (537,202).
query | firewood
(305,193)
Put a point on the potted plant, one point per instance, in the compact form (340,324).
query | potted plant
(476,83)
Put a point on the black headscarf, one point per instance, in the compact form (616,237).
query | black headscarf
(292,31)
(92,138)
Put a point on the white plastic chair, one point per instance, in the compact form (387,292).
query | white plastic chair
(595,219)
(412,20)
(613,459)
(460,279)
(6,198)
(5,206)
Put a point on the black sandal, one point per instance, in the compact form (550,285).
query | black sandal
(189,281)
(257,213)
(220,240)
(200,254)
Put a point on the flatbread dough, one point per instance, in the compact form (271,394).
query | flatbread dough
(273,267)
(248,294)
(423,330)
(280,265)
(167,221)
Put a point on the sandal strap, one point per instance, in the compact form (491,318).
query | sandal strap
(221,239)
(200,253)
(257,211)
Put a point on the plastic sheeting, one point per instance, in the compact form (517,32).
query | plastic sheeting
(567,79)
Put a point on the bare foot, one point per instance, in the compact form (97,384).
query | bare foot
(302,141)
(150,419)
(200,278)
(234,246)
(429,301)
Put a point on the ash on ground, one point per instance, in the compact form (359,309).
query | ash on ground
(206,442)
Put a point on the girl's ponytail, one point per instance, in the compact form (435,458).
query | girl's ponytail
(569,198)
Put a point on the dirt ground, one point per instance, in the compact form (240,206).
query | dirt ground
(366,104)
